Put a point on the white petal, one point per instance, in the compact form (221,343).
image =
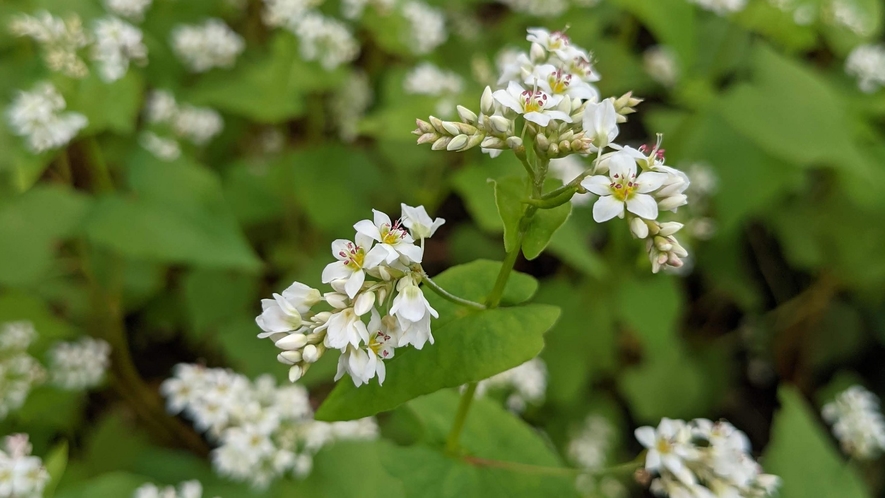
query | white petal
(560,116)
(538,118)
(374,258)
(411,251)
(599,184)
(335,271)
(339,247)
(649,181)
(381,218)
(368,229)
(643,205)
(508,101)
(355,282)
(646,436)
(606,208)
(621,165)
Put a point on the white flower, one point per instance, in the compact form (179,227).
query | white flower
(513,65)
(325,39)
(419,223)
(166,149)
(623,188)
(284,312)
(79,365)
(197,124)
(589,447)
(130,9)
(160,107)
(21,475)
(394,242)
(538,8)
(187,489)
(556,42)
(528,383)
(857,422)
(353,260)
(721,7)
(365,364)
(867,64)
(427,79)
(59,39)
(535,105)
(847,13)
(601,122)
(116,43)
(345,328)
(427,27)
(669,447)
(37,116)
(286,13)
(556,81)
(410,307)
(350,104)
(208,45)
(660,63)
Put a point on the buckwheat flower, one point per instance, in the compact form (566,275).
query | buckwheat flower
(535,105)
(538,8)
(848,14)
(513,65)
(427,27)
(527,384)
(284,312)
(601,123)
(427,79)
(350,103)
(867,64)
(556,42)
(660,63)
(197,124)
(163,148)
(19,371)
(410,306)
(589,447)
(211,44)
(623,188)
(669,449)
(857,422)
(286,13)
(325,40)
(556,81)
(116,43)
(59,39)
(420,224)
(160,107)
(721,7)
(130,9)
(187,489)
(21,474)
(362,365)
(353,259)
(79,365)
(394,242)
(37,115)
(17,336)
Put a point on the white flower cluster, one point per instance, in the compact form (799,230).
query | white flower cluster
(427,26)
(857,422)
(427,79)
(74,366)
(187,489)
(527,381)
(350,104)
(130,9)
(22,475)
(60,40)
(546,8)
(262,430)
(211,44)
(37,116)
(721,7)
(380,269)
(559,110)
(589,447)
(19,371)
(848,14)
(660,64)
(116,44)
(867,64)
(320,38)
(197,125)
(703,459)
(353,9)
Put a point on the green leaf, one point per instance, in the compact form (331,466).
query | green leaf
(544,226)
(509,194)
(55,463)
(30,224)
(372,481)
(804,457)
(109,106)
(671,21)
(651,307)
(478,193)
(468,349)
(573,247)
(120,484)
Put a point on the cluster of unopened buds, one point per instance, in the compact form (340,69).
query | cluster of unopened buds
(546,107)
(702,459)
(379,270)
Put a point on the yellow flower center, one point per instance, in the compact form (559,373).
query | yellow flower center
(559,82)
(533,101)
(353,256)
(622,187)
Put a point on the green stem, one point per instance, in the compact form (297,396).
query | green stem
(504,274)
(64,167)
(98,168)
(449,296)
(453,441)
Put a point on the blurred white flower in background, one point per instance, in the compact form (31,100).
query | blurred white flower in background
(857,422)
(721,7)
(187,489)
(197,125)
(325,40)
(19,371)
(163,148)
(867,64)
(59,39)
(427,27)
(527,384)
(589,446)
(350,103)
(262,431)
(661,65)
(79,365)
(428,79)
(286,13)
(37,116)
(116,44)
(130,9)
(848,14)
(21,474)
(211,44)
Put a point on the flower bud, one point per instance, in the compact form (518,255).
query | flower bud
(336,299)
(474,141)
(493,143)
(514,142)
(437,124)
(672,202)
(292,342)
(296,372)
(565,146)
(291,357)
(322,317)
(466,114)
(553,150)
(537,52)
(451,128)
(542,141)
(310,354)
(565,105)
(427,138)
(424,126)
(639,228)
(457,143)
(500,124)
(487,102)
(363,303)
(669,228)
(441,143)
(662,244)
